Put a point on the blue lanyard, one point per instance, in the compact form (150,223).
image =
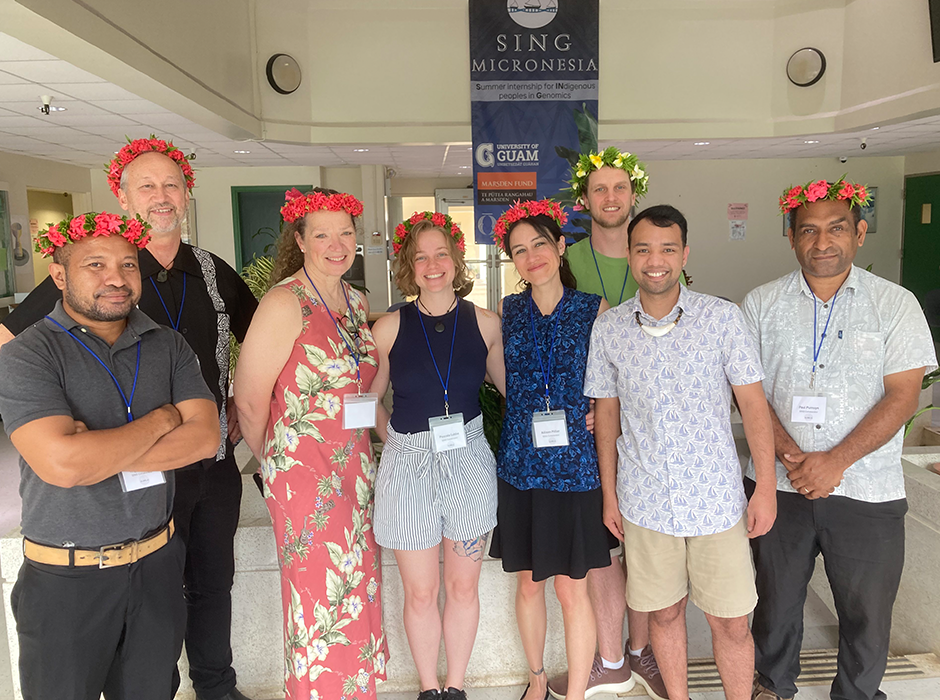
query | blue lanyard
(546,375)
(598,267)
(354,353)
(450,361)
(179,315)
(818,350)
(127,404)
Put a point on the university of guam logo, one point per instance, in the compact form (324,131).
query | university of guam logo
(532,14)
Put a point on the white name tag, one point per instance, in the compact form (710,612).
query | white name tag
(447,432)
(134,481)
(808,409)
(359,410)
(549,429)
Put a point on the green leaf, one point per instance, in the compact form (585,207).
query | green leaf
(323,619)
(356,578)
(337,382)
(334,636)
(334,587)
(307,382)
(315,355)
(316,670)
(587,129)
(336,552)
(363,492)
(308,430)
(295,407)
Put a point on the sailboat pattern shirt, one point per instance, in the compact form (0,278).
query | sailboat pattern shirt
(678,470)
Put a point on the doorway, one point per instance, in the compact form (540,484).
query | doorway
(920,259)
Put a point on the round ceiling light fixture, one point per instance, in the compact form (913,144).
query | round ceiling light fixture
(806,67)
(283,73)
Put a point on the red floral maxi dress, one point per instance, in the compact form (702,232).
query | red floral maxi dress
(318,485)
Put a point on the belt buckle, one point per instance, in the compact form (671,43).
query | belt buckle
(103,557)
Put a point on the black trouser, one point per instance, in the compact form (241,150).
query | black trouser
(863,549)
(206,514)
(83,631)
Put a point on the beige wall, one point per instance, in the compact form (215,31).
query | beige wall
(919,163)
(47,208)
(703,189)
(21,173)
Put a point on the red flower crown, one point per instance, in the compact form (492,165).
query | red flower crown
(134,148)
(797,196)
(442,221)
(523,210)
(300,204)
(136,231)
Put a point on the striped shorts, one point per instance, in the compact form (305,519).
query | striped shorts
(421,495)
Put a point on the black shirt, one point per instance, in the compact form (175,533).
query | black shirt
(217,301)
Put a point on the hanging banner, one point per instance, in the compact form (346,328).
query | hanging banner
(533,99)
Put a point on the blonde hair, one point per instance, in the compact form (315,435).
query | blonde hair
(289,259)
(405,262)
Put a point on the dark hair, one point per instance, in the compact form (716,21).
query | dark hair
(289,258)
(663,216)
(61,255)
(854,208)
(548,229)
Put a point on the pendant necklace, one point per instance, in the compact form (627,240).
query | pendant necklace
(657,331)
(439,326)
(162,275)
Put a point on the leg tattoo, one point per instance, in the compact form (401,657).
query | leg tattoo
(472,549)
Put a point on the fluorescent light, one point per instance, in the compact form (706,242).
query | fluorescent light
(242,151)
(811,142)
(360,150)
(702,143)
(875,128)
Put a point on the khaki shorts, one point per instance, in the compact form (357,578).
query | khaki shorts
(716,571)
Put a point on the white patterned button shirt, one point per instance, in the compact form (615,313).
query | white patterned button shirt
(678,470)
(877,328)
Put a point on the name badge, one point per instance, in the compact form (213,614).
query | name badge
(549,429)
(447,432)
(808,408)
(359,410)
(135,481)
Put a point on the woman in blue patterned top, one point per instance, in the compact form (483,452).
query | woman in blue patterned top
(549,518)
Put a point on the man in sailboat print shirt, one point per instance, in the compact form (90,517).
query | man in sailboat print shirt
(662,368)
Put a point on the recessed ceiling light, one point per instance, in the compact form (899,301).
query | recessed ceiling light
(702,143)
(360,150)
(464,166)
(242,151)
(811,142)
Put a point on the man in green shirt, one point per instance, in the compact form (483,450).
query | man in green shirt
(607,185)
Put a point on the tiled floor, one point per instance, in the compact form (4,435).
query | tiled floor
(820,625)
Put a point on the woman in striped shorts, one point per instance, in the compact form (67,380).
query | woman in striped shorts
(437,476)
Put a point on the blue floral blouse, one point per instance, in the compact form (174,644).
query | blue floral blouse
(571,468)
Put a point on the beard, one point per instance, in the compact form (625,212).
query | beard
(95,310)
(614,223)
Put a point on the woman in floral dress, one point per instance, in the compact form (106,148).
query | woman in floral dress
(305,364)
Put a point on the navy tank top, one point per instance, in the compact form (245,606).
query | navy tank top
(418,394)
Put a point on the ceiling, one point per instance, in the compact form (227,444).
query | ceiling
(99,115)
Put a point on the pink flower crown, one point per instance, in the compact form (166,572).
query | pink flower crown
(797,196)
(523,210)
(442,221)
(134,148)
(92,224)
(300,204)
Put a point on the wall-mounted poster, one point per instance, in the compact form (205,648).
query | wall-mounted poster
(533,100)
(869,211)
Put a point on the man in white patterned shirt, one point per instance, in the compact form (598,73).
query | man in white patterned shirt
(662,368)
(844,353)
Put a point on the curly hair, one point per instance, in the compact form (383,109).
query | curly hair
(289,259)
(405,262)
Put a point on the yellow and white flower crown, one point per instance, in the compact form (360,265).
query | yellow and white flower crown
(613,158)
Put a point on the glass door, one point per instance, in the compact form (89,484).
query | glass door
(494,275)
